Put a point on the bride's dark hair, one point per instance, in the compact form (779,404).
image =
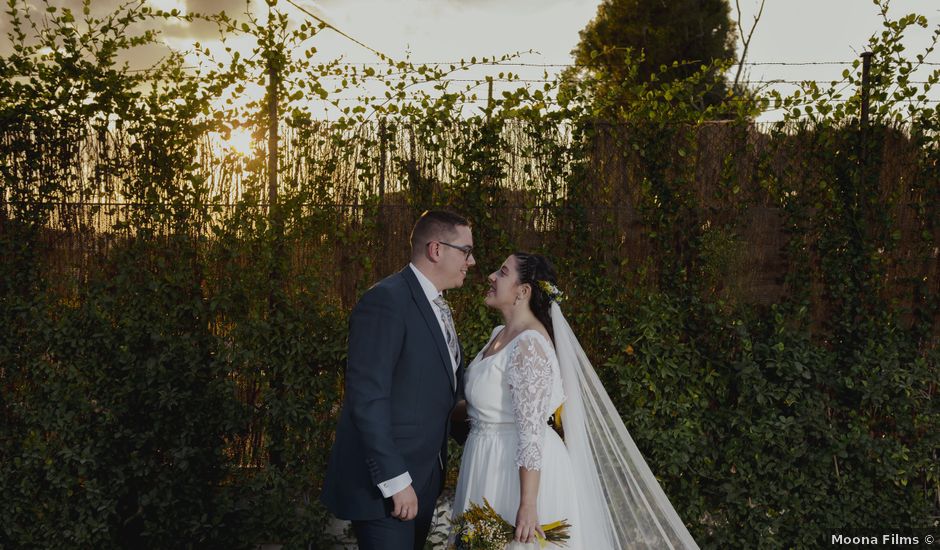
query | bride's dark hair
(532,269)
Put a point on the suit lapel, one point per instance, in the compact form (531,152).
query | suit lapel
(417,294)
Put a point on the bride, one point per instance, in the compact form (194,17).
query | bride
(595,478)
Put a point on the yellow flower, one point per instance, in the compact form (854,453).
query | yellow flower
(480,527)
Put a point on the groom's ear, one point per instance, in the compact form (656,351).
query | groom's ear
(432,251)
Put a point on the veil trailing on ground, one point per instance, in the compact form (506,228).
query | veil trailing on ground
(620,503)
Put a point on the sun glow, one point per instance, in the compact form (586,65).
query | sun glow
(239,141)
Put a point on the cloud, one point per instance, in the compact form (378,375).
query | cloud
(230,7)
(196,30)
(34,10)
(97,8)
(138,57)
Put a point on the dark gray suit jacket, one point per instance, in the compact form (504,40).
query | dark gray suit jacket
(400,390)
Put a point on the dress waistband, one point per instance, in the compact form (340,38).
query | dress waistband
(481,427)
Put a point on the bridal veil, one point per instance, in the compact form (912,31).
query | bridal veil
(620,503)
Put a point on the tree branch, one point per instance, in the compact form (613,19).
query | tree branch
(746,41)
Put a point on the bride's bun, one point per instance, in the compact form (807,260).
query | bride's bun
(532,269)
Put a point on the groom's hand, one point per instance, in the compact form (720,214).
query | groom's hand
(406,504)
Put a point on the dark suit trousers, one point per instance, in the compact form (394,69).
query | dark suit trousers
(393,534)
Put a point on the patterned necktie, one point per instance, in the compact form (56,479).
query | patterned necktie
(450,335)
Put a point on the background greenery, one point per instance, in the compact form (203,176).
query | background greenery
(760,300)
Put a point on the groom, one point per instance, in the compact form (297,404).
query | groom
(387,466)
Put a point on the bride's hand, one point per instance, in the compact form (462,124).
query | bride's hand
(527,524)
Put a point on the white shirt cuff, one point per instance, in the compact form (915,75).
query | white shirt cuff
(395,485)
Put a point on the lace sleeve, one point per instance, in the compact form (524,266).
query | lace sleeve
(530,384)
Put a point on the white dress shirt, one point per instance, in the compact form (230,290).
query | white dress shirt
(432,292)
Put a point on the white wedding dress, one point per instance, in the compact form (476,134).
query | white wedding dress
(510,396)
(596,479)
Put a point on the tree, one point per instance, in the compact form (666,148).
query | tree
(630,40)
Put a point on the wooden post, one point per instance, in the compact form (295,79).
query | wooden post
(866,87)
(272,132)
(276,430)
(864,137)
(383,144)
(489,100)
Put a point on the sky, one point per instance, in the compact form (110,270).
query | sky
(789,31)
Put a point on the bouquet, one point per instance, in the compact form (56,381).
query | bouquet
(481,528)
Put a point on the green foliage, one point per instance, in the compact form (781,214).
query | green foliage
(116,411)
(285,352)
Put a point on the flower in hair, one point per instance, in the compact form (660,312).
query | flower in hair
(554,294)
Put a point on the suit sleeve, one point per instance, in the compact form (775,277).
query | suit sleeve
(376,335)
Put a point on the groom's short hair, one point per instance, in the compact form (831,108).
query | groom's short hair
(435,225)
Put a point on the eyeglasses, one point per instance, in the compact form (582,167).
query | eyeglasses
(466,249)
